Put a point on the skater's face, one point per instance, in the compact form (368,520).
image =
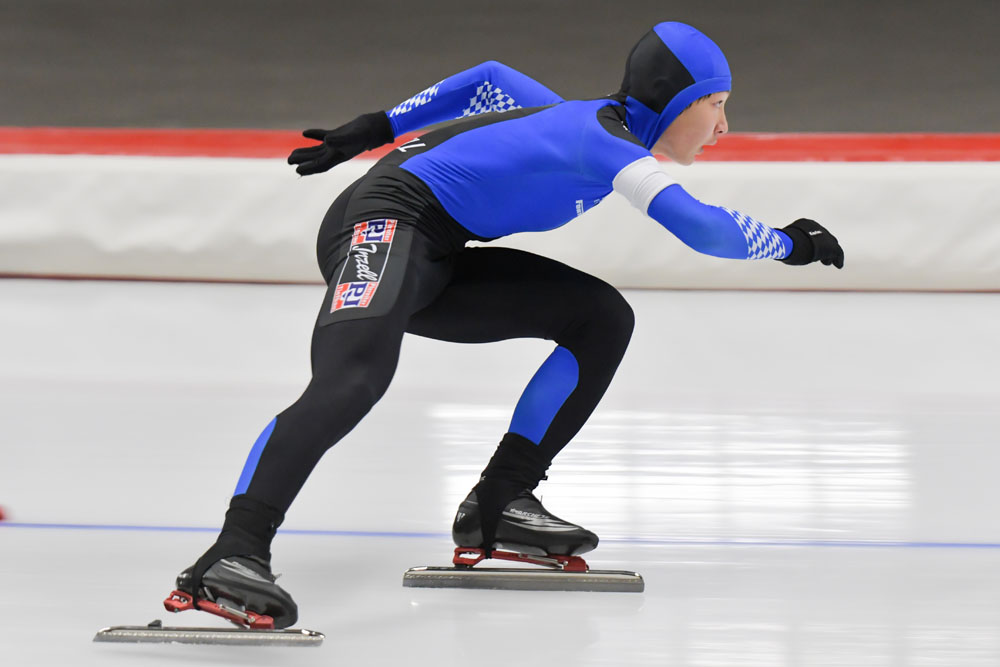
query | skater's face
(700,125)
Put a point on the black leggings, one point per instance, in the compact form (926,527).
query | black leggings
(433,288)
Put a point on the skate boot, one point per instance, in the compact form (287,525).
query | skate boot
(525,533)
(524,527)
(240,588)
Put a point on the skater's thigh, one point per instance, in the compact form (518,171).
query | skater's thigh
(502,293)
(383,272)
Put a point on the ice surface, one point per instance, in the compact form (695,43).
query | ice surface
(801,479)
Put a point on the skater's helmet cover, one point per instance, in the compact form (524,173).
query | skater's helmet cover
(668,69)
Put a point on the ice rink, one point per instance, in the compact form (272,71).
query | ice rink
(802,479)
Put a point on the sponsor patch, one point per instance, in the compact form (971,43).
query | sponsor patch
(373,231)
(365,265)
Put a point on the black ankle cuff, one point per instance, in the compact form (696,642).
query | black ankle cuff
(516,466)
(251,524)
(518,461)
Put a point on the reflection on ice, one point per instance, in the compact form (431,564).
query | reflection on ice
(668,475)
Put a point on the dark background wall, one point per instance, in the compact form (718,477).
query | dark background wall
(845,65)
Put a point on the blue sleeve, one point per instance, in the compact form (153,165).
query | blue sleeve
(716,231)
(491,86)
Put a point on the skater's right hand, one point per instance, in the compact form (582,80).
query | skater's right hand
(365,132)
(813,243)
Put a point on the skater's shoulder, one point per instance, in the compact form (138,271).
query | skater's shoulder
(610,116)
(601,128)
(607,143)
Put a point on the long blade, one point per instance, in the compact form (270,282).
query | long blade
(224,636)
(523,579)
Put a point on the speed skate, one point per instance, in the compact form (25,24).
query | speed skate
(548,548)
(239,589)
(249,628)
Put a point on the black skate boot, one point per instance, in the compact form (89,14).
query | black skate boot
(528,534)
(243,588)
(524,527)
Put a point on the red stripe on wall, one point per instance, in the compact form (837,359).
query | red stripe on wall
(152,142)
(843,147)
(745,147)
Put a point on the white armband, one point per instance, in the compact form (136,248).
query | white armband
(641,181)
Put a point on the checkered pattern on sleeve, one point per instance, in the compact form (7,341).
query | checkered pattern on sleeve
(762,241)
(421,98)
(489,98)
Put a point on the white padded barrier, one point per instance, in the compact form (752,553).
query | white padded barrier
(903,225)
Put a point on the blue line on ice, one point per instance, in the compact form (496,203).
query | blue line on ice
(734,542)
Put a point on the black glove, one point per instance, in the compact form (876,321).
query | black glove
(365,132)
(811,242)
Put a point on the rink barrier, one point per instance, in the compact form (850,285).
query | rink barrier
(913,211)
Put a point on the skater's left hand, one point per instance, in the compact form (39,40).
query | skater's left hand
(365,132)
(813,243)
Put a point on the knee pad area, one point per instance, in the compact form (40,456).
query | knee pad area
(601,316)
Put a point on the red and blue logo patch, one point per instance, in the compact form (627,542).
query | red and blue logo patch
(365,265)
(373,231)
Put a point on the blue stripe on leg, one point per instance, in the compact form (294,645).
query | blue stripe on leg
(251,465)
(545,394)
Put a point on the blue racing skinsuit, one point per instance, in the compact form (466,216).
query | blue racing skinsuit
(392,249)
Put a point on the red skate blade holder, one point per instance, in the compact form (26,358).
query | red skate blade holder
(469,556)
(558,573)
(180,601)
